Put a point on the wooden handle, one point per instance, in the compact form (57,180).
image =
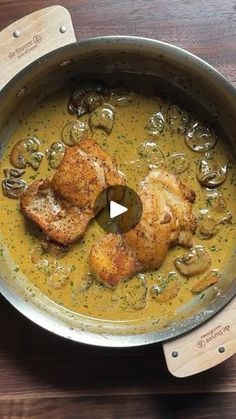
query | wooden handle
(31,37)
(204,347)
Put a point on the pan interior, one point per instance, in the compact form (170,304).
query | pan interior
(163,70)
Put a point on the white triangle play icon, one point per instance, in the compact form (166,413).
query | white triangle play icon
(116,209)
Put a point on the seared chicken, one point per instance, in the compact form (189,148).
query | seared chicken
(167,219)
(56,217)
(63,207)
(84,172)
(112,259)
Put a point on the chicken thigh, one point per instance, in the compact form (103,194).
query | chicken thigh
(59,220)
(167,219)
(63,207)
(84,172)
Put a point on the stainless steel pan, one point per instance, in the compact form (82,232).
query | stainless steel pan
(39,53)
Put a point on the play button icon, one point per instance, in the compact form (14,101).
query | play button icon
(118,209)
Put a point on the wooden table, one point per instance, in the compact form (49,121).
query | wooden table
(44,376)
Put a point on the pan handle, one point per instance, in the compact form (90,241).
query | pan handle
(32,37)
(205,346)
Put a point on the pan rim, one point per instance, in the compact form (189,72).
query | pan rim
(150,337)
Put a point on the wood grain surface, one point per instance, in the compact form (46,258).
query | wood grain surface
(44,376)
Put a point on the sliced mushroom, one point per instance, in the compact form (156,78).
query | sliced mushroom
(134,294)
(43,265)
(211,173)
(13,188)
(122,97)
(227,219)
(58,277)
(54,248)
(25,153)
(37,254)
(48,246)
(86,99)
(195,262)
(73,132)
(178,163)
(87,281)
(91,101)
(55,154)
(152,154)
(202,283)
(13,172)
(216,200)
(102,117)
(167,289)
(208,227)
(200,138)
(177,119)
(88,103)
(155,125)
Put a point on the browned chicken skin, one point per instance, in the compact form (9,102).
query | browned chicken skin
(112,259)
(56,217)
(167,219)
(63,207)
(84,172)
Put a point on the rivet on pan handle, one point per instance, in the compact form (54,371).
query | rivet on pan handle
(204,347)
(32,37)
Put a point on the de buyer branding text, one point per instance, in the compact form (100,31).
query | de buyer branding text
(213,334)
(23,49)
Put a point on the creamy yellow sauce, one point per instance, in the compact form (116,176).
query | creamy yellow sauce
(128,133)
